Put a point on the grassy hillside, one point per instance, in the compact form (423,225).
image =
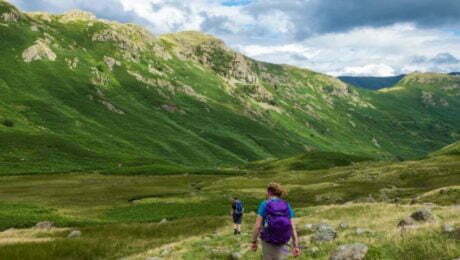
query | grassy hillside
(81,94)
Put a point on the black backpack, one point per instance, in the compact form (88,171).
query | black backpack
(238,207)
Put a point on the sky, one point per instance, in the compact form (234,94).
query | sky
(337,37)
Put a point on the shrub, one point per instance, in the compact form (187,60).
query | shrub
(8,123)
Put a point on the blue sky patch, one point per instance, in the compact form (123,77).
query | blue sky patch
(236,2)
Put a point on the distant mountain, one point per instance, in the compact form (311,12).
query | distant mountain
(455,73)
(372,83)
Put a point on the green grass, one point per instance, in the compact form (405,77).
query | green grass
(307,161)
(119,215)
(24,216)
(427,245)
(155,212)
(111,241)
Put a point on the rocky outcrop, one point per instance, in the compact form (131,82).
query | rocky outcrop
(76,15)
(429,99)
(10,17)
(99,78)
(111,107)
(101,98)
(9,13)
(172,89)
(39,51)
(226,62)
(240,69)
(72,63)
(131,39)
(111,62)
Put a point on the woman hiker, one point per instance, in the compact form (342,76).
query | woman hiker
(274,226)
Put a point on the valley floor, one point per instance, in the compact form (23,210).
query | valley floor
(186,216)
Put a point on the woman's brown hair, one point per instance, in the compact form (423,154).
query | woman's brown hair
(276,189)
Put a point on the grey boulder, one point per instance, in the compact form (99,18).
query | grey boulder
(44,225)
(74,234)
(356,251)
(324,233)
(422,215)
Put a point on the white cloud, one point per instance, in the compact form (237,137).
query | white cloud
(310,33)
(367,51)
(378,70)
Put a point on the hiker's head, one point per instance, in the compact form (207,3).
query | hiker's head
(275,189)
(235,198)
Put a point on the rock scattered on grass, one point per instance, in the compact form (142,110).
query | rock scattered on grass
(163,221)
(447,228)
(429,205)
(408,221)
(308,227)
(236,256)
(323,233)
(154,258)
(361,231)
(423,215)
(356,251)
(313,250)
(165,251)
(343,225)
(74,234)
(45,225)
(111,62)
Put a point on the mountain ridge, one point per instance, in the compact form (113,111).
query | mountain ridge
(372,83)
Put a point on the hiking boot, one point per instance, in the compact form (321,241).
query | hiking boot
(235,232)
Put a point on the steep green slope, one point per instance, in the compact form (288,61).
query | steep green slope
(81,93)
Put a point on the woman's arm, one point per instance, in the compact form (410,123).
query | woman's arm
(256,232)
(295,241)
